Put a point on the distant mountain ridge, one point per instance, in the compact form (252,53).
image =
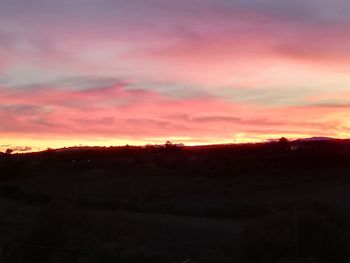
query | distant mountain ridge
(313,139)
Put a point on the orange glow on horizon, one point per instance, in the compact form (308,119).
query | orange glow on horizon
(44,144)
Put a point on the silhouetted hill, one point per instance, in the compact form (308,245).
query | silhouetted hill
(316,139)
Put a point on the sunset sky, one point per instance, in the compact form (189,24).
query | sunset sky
(116,72)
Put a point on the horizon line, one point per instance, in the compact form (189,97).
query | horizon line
(22,149)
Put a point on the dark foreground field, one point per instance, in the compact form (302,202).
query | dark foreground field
(275,202)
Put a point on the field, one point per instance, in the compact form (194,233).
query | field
(274,202)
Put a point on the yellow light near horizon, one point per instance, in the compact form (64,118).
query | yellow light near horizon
(40,144)
(43,144)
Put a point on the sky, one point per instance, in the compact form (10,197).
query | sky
(116,72)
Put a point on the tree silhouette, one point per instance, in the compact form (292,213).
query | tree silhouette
(9,151)
(284,144)
(169,144)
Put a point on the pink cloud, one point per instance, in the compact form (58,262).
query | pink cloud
(240,46)
(144,114)
(209,46)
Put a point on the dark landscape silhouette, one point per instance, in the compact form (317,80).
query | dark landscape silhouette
(280,201)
